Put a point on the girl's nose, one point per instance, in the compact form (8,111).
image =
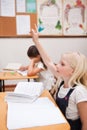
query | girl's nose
(58,65)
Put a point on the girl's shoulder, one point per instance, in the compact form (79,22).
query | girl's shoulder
(40,65)
(80,93)
(80,88)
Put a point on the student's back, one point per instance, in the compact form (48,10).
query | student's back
(47,78)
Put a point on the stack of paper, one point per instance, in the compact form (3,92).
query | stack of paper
(25,92)
(21,98)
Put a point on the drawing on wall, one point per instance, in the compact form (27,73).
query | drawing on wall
(62,17)
(31,6)
(75,19)
(49,17)
(52,17)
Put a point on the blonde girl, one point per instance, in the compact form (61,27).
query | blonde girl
(71,96)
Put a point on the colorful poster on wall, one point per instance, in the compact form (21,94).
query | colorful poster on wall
(75,17)
(62,17)
(52,17)
(49,16)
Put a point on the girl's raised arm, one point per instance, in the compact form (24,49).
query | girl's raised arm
(48,62)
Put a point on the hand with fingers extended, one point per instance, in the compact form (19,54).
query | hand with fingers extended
(35,34)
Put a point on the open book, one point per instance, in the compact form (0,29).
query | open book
(13,66)
(25,92)
(23,73)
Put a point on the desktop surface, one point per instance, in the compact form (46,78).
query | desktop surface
(3,116)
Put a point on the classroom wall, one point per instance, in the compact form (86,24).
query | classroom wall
(15,49)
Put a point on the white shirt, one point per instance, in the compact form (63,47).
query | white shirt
(78,95)
(46,77)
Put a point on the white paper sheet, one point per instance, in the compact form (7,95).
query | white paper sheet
(25,92)
(23,24)
(24,73)
(8,8)
(13,66)
(29,88)
(41,112)
(20,6)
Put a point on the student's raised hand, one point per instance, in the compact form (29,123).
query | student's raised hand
(35,34)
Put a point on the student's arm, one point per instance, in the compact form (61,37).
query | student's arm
(43,54)
(82,107)
(23,68)
(33,70)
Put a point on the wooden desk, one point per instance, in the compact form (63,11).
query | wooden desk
(13,76)
(3,116)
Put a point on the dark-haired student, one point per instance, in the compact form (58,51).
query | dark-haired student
(37,66)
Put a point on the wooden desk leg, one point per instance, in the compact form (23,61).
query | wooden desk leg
(0,85)
(28,80)
(35,80)
(3,86)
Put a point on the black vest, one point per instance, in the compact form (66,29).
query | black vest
(63,104)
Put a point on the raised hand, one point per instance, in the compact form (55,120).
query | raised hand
(35,34)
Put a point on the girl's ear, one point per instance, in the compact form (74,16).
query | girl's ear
(72,71)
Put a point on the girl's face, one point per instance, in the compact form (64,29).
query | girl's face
(64,69)
(36,59)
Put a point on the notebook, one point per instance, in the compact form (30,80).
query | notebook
(25,92)
(13,66)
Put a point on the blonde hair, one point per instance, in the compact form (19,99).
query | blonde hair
(79,63)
